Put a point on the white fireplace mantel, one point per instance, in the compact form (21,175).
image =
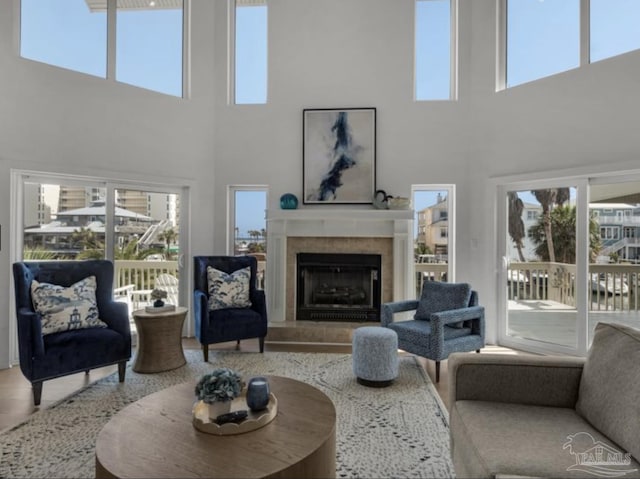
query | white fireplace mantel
(338,222)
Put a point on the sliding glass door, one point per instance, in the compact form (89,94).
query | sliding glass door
(614,272)
(139,227)
(543,267)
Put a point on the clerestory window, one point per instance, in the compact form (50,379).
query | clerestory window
(542,38)
(146,51)
(613,27)
(250,59)
(67,35)
(435,41)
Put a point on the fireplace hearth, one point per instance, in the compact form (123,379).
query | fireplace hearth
(338,287)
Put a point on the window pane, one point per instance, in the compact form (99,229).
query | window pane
(66,34)
(614,27)
(250,227)
(249,220)
(149,47)
(63,222)
(543,38)
(431,233)
(251,54)
(541,265)
(433,49)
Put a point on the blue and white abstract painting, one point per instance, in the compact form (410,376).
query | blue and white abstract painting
(339,155)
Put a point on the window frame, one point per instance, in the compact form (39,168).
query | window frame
(501,43)
(231,210)
(18,179)
(453,53)
(231,53)
(111,45)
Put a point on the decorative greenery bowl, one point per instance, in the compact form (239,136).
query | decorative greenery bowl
(220,385)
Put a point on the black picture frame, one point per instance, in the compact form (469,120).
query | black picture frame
(339,155)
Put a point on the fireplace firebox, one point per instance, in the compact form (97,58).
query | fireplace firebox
(338,287)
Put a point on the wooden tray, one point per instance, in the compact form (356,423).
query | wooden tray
(254,420)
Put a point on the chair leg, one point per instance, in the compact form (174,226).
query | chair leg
(122,369)
(437,371)
(86,372)
(205,351)
(37,392)
(261,340)
(238,345)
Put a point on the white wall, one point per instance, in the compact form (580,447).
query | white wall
(322,54)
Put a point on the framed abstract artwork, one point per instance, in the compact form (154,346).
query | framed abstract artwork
(339,155)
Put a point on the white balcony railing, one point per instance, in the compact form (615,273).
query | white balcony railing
(142,274)
(614,287)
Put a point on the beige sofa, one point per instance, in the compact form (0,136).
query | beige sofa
(542,416)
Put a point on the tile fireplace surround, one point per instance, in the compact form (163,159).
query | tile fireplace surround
(310,230)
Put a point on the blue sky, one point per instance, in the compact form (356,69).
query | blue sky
(542,39)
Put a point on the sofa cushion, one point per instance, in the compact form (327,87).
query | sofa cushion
(493,439)
(437,296)
(229,290)
(65,309)
(610,385)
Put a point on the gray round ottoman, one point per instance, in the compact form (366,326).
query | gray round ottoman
(375,355)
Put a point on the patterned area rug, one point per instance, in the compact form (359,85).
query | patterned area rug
(399,431)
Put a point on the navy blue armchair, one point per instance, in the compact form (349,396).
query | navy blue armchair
(227,324)
(68,352)
(448,319)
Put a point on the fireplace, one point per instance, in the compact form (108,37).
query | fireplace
(388,233)
(338,287)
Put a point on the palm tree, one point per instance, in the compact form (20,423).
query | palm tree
(38,254)
(87,239)
(563,223)
(254,234)
(516,225)
(169,236)
(131,252)
(548,198)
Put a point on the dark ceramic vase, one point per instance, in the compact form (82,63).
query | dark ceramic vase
(258,393)
(158,303)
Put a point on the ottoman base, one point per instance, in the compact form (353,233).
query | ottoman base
(374,384)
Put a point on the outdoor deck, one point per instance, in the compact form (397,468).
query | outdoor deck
(558,323)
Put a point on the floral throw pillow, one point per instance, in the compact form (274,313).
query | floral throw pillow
(228,290)
(64,309)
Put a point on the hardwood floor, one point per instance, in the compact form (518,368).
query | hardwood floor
(16,400)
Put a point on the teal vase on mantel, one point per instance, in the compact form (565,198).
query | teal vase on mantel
(288,201)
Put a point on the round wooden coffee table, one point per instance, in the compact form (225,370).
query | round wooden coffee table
(155,437)
(159,340)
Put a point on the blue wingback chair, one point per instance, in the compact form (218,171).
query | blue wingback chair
(229,324)
(450,320)
(67,352)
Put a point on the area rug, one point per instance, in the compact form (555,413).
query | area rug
(399,431)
